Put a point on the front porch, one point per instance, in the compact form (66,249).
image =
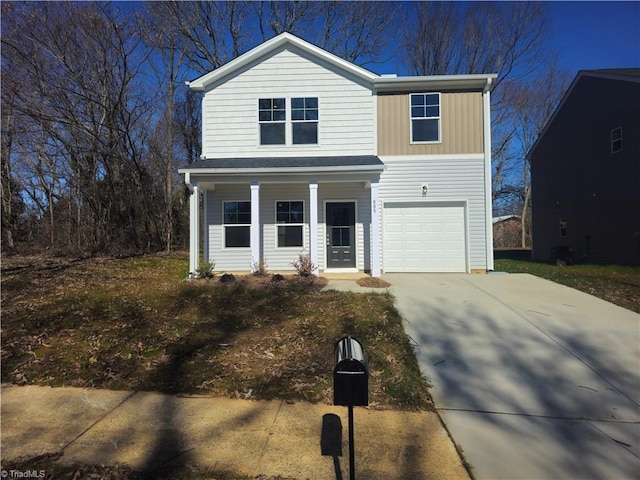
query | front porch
(269,211)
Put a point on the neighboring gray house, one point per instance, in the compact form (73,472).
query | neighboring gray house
(303,152)
(585,172)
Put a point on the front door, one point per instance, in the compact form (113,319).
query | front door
(341,234)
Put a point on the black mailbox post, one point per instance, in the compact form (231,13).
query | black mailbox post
(350,384)
(351,374)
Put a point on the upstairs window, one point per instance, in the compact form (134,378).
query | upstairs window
(425,117)
(237,224)
(290,223)
(616,140)
(304,120)
(272,120)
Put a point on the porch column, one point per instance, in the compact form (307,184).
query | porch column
(255,224)
(375,231)
(194,230)
(313,224)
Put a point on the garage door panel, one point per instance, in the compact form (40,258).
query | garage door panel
(424,238)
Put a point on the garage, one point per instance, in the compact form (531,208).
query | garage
(424,237)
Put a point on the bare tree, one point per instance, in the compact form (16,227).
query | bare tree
(532,104)
(276,17)
(431,41)
(86,109)
(357,31)
(482,37)
(208,33)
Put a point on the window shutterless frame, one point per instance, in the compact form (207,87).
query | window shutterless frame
(272,121)
(289,223)
(424,117)
(304,120)
(288,121)
(236,224)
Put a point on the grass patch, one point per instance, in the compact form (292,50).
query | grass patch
(619,285)
(134,324)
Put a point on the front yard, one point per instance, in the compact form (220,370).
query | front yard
(135,324)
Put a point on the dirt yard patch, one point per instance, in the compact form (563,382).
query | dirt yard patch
(372,282)
(135,324)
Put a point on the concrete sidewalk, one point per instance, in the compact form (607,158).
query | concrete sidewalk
(534,380)
(154,432)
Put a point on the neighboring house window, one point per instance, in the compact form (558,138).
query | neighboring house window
(425,117)
(237,224)
(272,120)
(563,227)
(304,120)
(616,140)
(290,223)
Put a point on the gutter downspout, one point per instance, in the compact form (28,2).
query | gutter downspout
(486,97)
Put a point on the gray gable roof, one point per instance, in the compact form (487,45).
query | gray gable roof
(620,72)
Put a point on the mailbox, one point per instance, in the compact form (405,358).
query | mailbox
(351,374)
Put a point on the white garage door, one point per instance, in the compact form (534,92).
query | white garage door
(424,238)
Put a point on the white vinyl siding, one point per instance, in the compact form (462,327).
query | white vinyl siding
(451,178)
(230,116)
(280,258)
(224,258)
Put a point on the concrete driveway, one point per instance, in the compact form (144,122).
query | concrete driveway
(534,380)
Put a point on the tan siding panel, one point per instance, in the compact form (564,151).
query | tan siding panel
(461,115)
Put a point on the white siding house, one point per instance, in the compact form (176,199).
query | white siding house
(304,152)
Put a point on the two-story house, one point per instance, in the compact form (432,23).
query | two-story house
(303,152)
(585,172)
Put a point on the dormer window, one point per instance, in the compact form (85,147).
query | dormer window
(425,117)
(272,118)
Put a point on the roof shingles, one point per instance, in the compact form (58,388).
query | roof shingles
(254,163)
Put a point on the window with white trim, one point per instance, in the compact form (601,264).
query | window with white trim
(272,120)
(237,224)
(425,117)
(616,140)
(304,120)
(290,223)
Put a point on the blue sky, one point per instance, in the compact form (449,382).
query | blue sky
(591,35)
(585,35)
